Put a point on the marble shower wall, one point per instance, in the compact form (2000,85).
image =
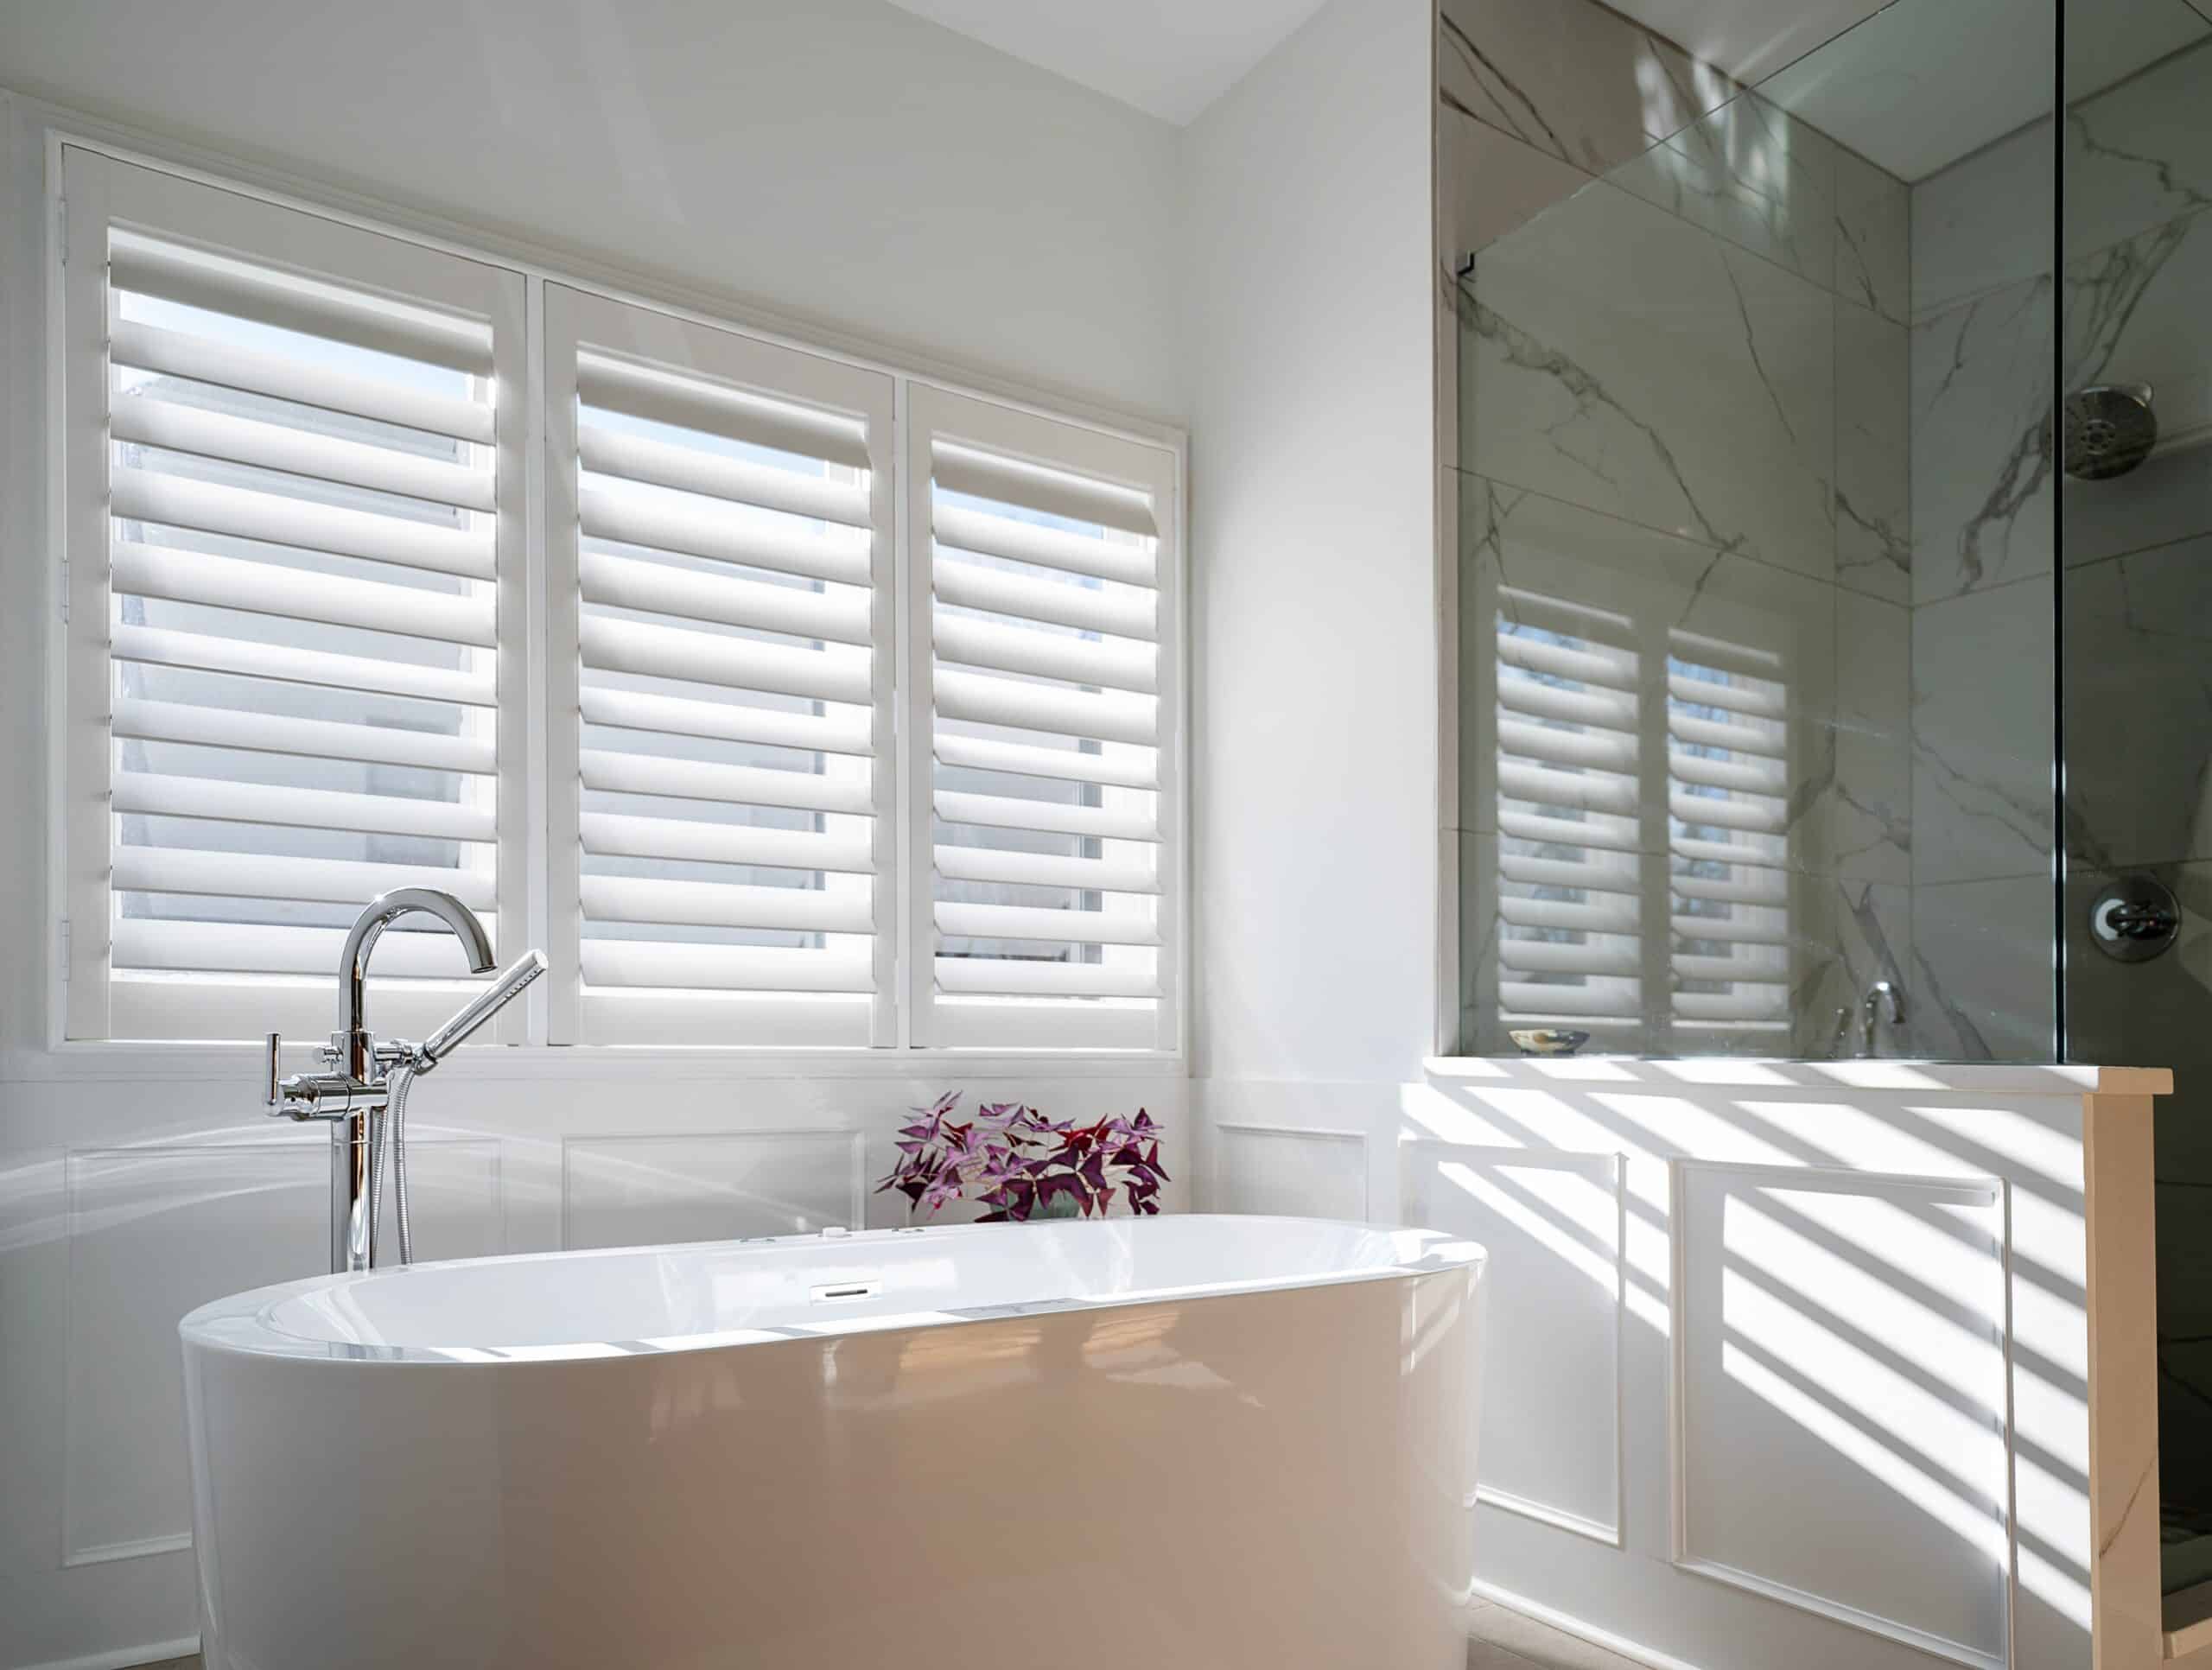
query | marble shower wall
(1683,378)
(1983,527)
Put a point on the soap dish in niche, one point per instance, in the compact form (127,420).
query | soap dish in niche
(1548,1040)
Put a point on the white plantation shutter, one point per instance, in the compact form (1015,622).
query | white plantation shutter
(1573,881)
(718,563)
(294,543)
(1041,700)
(764,741)
(1728,806)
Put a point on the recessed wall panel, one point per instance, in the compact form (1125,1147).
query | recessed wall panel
(154,1233)
(1280,1170)
(1551,1222)
(677,1186)
(1840,1397)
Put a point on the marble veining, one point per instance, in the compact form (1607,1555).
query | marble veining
(1981,737)
(1753,173)
(1866,930)
(1617,357)
(2103,294)
(2136,311)
(1873,453)
(1870,829)
(1873,213)
(1982,443)
(1984,224)
(1981,969)
(2140,154)
(2139,660)
(1577,80)
(1490,183)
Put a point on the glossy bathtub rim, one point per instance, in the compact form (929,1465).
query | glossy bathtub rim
(239,1324)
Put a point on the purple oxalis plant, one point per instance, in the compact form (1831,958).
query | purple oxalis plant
(1016,1161)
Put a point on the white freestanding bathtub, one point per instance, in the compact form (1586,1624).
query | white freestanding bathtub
(1181,1441)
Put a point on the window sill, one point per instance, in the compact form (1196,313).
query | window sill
(200,1062)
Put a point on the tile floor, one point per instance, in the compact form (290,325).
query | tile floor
(1504,1641)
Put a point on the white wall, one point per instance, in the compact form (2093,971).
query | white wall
(839,159)
(1313,765)
(837,164)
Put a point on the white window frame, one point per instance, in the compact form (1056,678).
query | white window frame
(535,265)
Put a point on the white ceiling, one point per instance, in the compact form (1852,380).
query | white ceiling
(1169,58)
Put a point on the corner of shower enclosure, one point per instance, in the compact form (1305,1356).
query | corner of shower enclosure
(1834,567)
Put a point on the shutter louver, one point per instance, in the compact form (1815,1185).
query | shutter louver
(719,604)
(306,518)
(1043,816)
(1728,805)
(1571,861)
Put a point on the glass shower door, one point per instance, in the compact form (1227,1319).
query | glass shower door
(2136,630)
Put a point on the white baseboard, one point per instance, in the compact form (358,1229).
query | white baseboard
(1582,1631)
(127,1658)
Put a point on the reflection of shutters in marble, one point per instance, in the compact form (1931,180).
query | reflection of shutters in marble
(1569,818)
(1728,804)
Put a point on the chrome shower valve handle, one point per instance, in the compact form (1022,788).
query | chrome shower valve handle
(312,1095)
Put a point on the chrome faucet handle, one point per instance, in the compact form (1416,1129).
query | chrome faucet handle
(311,1096)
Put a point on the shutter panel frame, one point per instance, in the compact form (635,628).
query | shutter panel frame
(968,445)
(622,971)
(201,406)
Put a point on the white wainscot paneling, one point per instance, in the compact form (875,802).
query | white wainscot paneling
(638,1190)
(1840,1397)
(1553,1224)
(250,1213)
(1283,1170)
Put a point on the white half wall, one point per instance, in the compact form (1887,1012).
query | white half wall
(1805,1359)
(1313,593)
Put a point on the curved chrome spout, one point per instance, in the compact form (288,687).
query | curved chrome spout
(382,910)
(352,1230)
(1881,995)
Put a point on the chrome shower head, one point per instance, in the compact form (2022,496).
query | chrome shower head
(2110,429)
(481,1008)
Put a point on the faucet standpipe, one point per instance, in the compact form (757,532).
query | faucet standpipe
(1881,994)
